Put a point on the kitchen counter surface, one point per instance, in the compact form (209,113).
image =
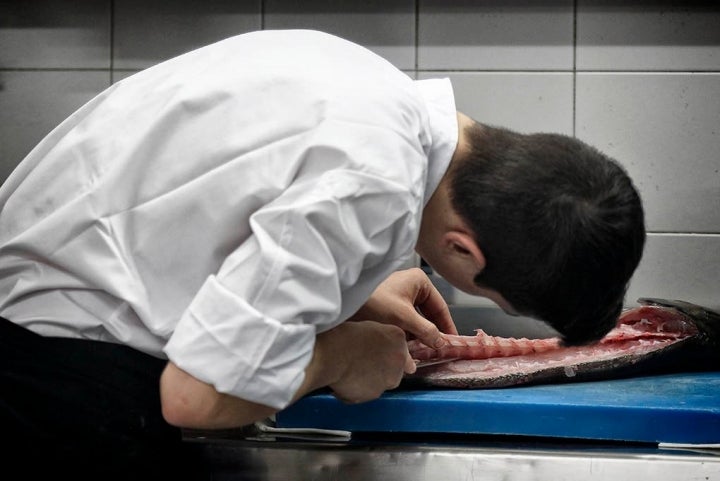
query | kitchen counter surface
(421,457)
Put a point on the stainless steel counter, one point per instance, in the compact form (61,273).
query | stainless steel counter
(457,458)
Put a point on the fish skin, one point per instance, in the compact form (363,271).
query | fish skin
(696,350)
(707,320)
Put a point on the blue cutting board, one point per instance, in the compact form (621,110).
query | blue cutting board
(674,408)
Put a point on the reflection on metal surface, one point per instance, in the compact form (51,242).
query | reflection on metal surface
(487,461)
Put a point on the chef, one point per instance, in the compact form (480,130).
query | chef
(214,237)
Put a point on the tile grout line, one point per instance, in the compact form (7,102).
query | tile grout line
(417,37)
(574,71)
(112,41)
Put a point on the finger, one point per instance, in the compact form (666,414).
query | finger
(433,306)
(410,366)
(424,330)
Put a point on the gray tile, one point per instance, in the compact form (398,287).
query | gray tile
(411,73)
(33,103)
(150,31)
(55,34)
(118,75)
(665,129)
(387,27)
(527,102)
(614,35)
(681,267)
(495,35)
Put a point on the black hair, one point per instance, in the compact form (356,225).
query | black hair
(561,226)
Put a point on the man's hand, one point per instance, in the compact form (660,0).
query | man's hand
(409,300)
(368,357)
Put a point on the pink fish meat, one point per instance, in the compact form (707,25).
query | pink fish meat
(649,332)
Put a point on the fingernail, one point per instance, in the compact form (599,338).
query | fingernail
(440,342)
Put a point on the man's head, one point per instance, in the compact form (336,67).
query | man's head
(560,226)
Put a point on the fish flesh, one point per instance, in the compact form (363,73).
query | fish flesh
(659,336)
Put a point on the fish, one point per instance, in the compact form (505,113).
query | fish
(658,336)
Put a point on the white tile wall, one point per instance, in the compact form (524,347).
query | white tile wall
(545,99)
(386,27)
(495,35)
(146,32)
(656,108)
(665,36)
(641,80)
(679,266)
(32,103)
(665,129)
(59,34)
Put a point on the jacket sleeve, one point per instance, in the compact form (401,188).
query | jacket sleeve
(349,219)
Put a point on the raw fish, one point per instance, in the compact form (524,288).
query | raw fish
(659,336)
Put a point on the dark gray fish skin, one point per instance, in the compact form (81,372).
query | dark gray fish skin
(696,353)
(707,320)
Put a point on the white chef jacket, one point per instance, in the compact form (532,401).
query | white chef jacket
(223,207)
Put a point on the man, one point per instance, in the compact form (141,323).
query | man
(207,226)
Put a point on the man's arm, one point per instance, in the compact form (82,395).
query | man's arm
(357,360)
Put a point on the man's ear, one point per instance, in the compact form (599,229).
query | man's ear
(463,245)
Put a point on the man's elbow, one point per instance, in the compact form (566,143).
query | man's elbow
(187,402)
(177,413)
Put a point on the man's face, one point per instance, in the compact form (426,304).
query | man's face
(464,281)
